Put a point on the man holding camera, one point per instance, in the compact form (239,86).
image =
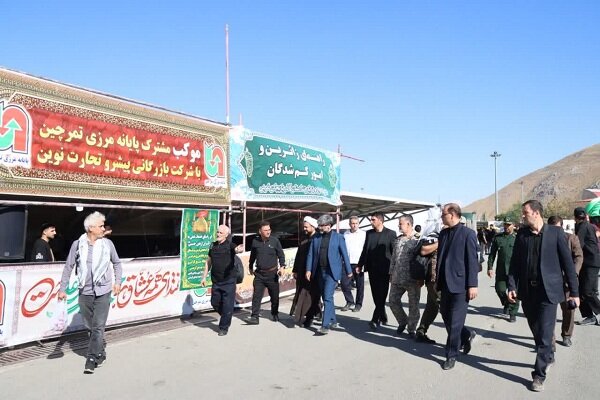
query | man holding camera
(540,260)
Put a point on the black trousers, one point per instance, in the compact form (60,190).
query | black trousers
(588,290)
(262,280)
(347,286)
(541,317)
(222,300)
(453,307)
(380,286)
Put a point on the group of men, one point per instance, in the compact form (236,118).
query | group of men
(540,266)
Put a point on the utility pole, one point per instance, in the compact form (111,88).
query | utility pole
(495,155)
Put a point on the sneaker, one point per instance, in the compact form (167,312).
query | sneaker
(324,330)
(423,338)
(90,365)
(588,321)
(252,321)
(537,385)
(100,359)
(222,332)
(335,325)
(356,308)
(448,364)
(347,307)
(567,342)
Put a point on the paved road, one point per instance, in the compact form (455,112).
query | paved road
(273,360)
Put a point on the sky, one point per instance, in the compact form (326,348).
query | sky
(423,91)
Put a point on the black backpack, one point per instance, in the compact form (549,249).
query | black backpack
(419,265)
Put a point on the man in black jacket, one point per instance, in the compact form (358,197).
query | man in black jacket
(541,258)
(375,258)
(588,276)
(41,250)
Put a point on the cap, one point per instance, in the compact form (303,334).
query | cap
(311,221)
(579,212)
(507,221)
(593,208)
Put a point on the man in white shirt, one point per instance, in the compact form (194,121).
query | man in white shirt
(355,240)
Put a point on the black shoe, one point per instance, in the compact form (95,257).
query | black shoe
(222,332)
(308,323)
(400,329)
(275,318)
(356,308)
(567,342)
(412,335)
(100,359)
(347,307)
(384,321)
(373,325)
(512,318)
(505,311)
(423,338)
(90,365)
(449,363)
(252,321)
(588,321)
(468,343)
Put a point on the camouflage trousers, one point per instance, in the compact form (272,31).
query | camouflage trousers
(414,295)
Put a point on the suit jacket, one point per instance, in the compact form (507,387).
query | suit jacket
(556,264)
(457,258)
(589,243)
(337,255)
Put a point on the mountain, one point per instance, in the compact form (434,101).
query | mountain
(564,179)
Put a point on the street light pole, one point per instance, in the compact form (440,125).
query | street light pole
(495,155)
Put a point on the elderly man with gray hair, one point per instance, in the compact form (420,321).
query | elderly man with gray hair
(98,270)
(327,260)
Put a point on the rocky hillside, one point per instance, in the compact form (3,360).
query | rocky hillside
(566,178)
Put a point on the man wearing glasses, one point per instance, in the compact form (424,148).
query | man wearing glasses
(96,263)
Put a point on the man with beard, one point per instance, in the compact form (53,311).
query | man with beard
(541,262)
(375,258)
(306,299)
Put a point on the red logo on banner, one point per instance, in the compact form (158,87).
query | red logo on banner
(15,135)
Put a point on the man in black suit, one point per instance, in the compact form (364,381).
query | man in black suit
(588,276)
(457,269)
(541,258)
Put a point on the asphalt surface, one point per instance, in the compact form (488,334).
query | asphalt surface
(274,361)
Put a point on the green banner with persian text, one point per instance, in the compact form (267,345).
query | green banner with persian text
(198,231)
(269,169)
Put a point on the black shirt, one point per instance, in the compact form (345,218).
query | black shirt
(377,250)
(534,250)
(41,251)
(323,260)
(222,256)
(266,253)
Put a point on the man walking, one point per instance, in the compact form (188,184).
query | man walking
(401,281)
(588,277)
(41,250)
(266,252)
(306,299)
(540,263)
(375,257)
(220,263)
(457,269)
(328,260)
(432,307)
(98,269)
(502,246)
(568,313)
(355,240)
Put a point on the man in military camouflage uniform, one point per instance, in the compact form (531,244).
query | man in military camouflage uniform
(400,279)
(502,245)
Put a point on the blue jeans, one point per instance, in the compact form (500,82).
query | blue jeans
(327,284)
(94,310)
